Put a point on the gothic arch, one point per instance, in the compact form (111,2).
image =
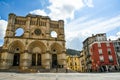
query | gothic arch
(36,46)
(16,46)
(56,47)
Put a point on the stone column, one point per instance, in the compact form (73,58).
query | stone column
(5,61)
(62,59)
(46,60)
(10,26)
(10,59)
(48,28)
(25,62)
(61,30)
(26,34)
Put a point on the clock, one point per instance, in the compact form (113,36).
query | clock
(37,31)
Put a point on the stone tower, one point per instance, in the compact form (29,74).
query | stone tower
(36,46)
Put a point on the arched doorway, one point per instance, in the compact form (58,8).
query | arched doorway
(55,51)
(33,59)
(16,48)
(54,61)
(36,59)
(39,59)
(37,48)
(16,59)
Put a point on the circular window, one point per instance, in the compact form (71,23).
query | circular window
(53,34)
(37,31)
(54,50)
(17,49)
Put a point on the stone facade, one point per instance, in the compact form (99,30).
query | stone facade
(36,46)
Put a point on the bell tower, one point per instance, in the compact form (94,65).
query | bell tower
(10,26)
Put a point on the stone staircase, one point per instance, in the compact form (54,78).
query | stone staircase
(52,70)
(39,69)
(62,70)
(11,69)
(36,69)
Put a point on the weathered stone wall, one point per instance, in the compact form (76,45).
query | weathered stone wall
(36,39)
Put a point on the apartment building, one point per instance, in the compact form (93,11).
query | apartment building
(86,44)
(73,62)
(117,50)
(82,62)
(103,57)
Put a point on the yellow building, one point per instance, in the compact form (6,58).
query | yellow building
(82,62)
(73,62)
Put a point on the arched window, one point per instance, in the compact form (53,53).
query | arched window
(19,32)
(53,34)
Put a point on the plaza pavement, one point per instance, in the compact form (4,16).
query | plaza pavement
(59,76)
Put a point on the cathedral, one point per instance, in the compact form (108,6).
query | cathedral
(42,43)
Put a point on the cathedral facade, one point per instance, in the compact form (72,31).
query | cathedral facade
(36,46)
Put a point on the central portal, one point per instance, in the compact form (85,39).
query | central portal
(36,59)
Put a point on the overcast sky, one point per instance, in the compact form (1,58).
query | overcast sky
(82,17)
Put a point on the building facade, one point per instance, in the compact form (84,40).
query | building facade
(86,44)
(73,62)
(83,66)
(36,46)
(117,50)
(103,56)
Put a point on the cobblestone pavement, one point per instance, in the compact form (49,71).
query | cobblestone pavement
(59,76)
